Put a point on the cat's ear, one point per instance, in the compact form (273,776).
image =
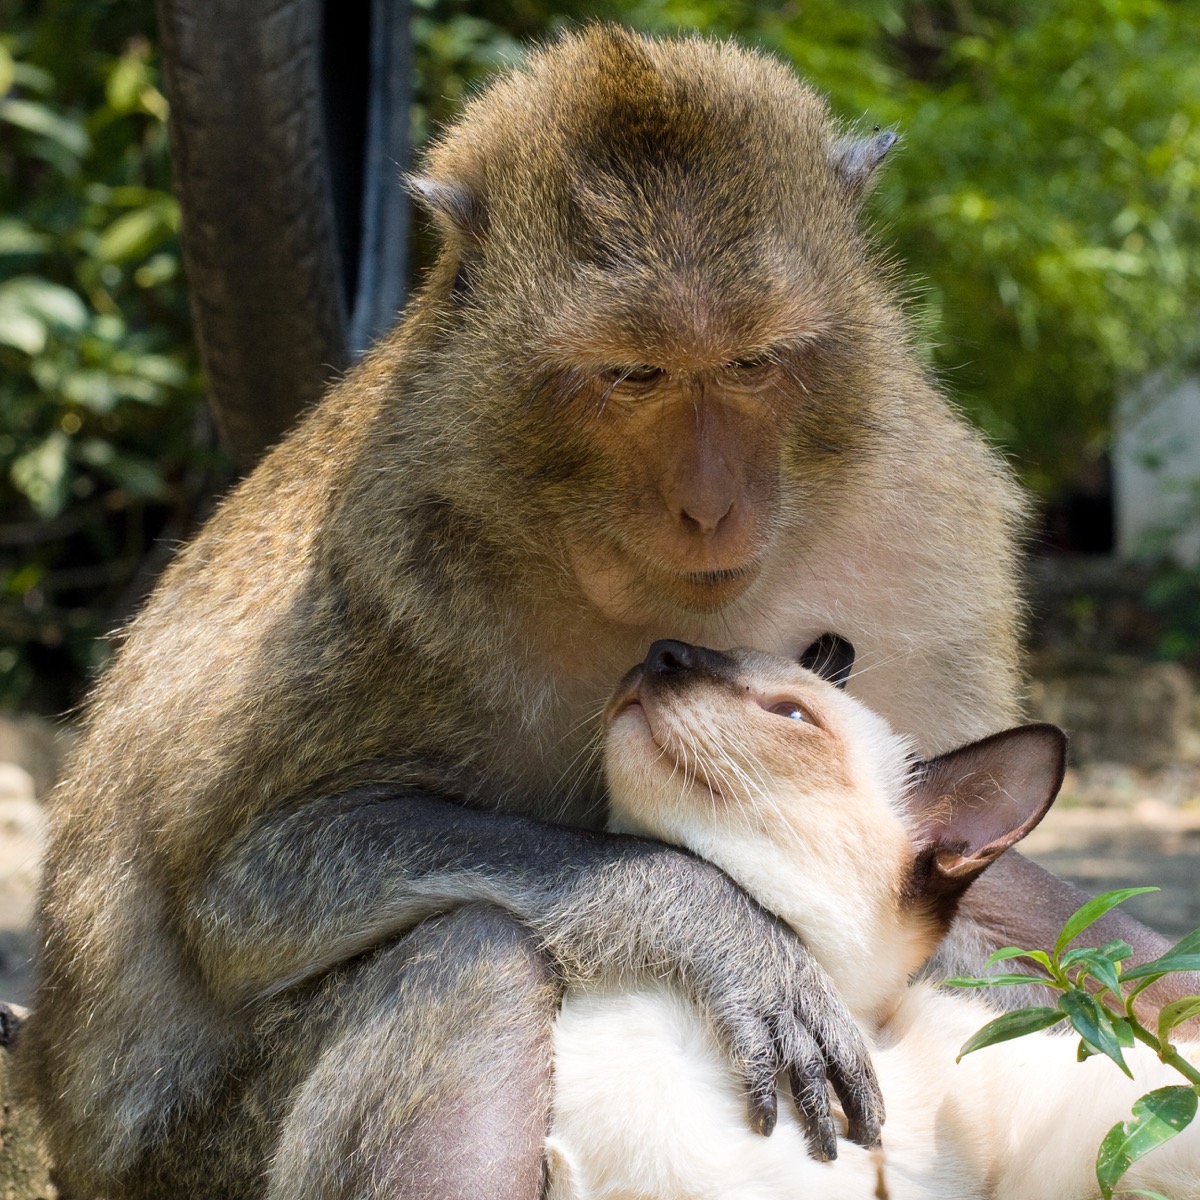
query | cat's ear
(969,806)
(831,657)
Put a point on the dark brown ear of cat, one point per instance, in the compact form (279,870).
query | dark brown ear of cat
(974,803)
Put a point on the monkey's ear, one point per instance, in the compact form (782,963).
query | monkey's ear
(972,804)
(452,204)
(856,160)
(831,657)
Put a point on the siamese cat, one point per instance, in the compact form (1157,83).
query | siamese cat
(823,814)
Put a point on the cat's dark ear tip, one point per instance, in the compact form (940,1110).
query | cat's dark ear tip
(831,656)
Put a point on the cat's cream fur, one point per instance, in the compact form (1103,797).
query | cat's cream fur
(824,820)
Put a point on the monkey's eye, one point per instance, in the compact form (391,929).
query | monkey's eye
(752,362)
(791,710)
(641,373)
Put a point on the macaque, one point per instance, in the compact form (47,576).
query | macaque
(332,841)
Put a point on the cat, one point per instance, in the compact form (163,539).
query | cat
(825,816)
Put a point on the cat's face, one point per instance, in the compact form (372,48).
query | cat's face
(746,741)
(808,799)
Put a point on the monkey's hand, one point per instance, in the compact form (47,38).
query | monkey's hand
(654,908)
(317,885)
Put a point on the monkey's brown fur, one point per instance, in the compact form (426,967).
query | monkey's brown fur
(652,275)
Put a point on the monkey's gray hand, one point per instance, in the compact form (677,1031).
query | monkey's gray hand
(776,1011)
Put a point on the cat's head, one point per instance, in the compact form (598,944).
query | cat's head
(770,769)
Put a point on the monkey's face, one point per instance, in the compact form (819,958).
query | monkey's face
(690,462)
(690,413)
(656,297)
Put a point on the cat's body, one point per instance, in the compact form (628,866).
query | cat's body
(825,820)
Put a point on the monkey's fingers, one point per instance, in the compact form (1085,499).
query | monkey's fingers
(811,1094)
(862,1101)
(843,1060)
(755,1051)
(764,1111)
(794,1052)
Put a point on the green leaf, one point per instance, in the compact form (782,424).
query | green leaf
(1176,1013)
(1003,953)
(133,235)
(1094,963)
(41,474)
(1183,956)
(6,70)
(968,981)
(138,476)
(1168,964)
(1011,1025)
(45,122)
(1091,912)
(54,304)
(20,328)
(1188,944)
(1008,952)
(1117,950)
(1093,1024)
(16,237)
(126,81)
(1157,1117)
(160,369)
(33,79)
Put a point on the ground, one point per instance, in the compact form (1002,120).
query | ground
(1116,825)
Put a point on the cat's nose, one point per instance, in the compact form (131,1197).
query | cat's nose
(671,658)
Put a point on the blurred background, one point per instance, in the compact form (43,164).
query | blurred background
(1044,204)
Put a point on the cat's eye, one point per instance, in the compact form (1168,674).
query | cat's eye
(791,710)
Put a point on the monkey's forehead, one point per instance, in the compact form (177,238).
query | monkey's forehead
(612,116)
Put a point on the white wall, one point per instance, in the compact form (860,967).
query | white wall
(1156,471)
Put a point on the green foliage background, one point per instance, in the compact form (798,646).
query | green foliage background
(1045,202)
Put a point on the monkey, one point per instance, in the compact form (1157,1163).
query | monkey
(828,818)
(331,844)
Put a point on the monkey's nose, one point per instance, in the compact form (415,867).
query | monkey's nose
(705,521)
(671,658)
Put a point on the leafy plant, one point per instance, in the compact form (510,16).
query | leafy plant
(1106,1026)
(104,458)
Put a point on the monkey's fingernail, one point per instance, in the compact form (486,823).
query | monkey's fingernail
(824,1147)
(764,1114)
(865,1132)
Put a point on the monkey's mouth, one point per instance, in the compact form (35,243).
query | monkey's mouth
(707,579)
(706,591)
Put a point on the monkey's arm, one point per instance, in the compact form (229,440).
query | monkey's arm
(1018,903)
(348,873)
